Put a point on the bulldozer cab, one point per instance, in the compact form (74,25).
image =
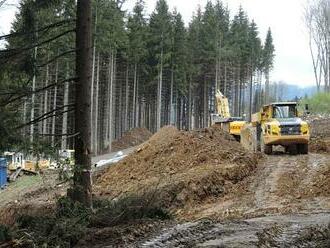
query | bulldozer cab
(281,111)
(277,124)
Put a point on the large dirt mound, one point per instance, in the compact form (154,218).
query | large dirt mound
(180,167)
(320,135)
(131,138)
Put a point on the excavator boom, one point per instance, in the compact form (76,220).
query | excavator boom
(222,105)
(228,123)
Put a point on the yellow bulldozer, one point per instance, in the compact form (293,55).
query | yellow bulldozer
(223,117)
(277,124)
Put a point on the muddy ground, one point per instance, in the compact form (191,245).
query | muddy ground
(282,201)
(285,203)
(270,231)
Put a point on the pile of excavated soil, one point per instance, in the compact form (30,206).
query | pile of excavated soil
(131,138)
(320,135)
(320,182)
(180,167)
(320,145)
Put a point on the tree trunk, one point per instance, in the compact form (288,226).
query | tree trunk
(92,101)
(267,86)
(119,118)
(93,116)
(189,105)
(134,96)
(65,110)
(54,106)
(111,100)
(33,96)
(328,53)
(24,116)
(44,126)
(250,96)
(107,107)
(137,102)
(82,184)
(126,99)
(205,108)
(261,102)
(225,82)
(236,89)
(96,114)
(216,74)
(159,93)
(171,98)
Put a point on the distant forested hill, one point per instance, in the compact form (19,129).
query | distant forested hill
(287,92)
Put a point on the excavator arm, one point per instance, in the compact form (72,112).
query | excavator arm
(222,105)
(230,124)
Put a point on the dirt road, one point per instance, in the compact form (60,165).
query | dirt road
(276,207)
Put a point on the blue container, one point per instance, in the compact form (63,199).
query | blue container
(3,172)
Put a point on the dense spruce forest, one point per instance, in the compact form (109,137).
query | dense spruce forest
(148,71)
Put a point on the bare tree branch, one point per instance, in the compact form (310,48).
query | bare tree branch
(47,115)
(43,29)
(57,57)
(28,93)
(58,135)
(8,53)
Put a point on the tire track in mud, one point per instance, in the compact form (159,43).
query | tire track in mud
(265,186)
(269,231)
(285,217)
(282,180)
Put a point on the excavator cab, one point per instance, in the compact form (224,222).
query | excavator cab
(232,125)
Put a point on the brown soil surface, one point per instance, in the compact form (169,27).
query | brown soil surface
(320,145)
(131,138)
(281,184)
(320,127)
(205,174)
(320,135)
(182,168)
(290,194)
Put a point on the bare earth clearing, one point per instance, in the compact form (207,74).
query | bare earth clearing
(219,194)
(286,197)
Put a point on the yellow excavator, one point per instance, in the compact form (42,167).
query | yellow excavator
(277,124)
(223,117)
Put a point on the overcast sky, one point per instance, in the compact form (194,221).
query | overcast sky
(284,17)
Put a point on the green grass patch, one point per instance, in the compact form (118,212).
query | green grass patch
(22,185)
(318,103)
